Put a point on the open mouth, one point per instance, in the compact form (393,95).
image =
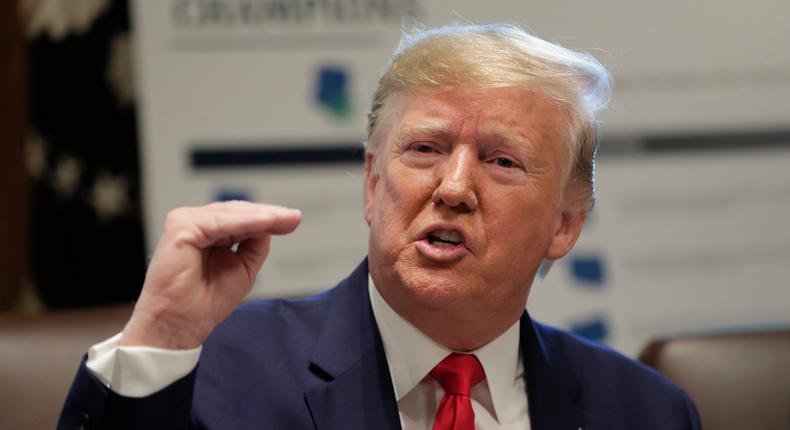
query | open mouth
(445,238)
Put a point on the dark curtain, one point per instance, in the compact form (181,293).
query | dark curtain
(13,184)
(87,240)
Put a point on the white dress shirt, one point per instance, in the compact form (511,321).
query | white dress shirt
(139,371)
(499,402)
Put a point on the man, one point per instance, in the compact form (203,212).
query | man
(478,166)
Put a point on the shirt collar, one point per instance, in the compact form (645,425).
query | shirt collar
(411,354)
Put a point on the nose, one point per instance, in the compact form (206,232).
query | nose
(457,187)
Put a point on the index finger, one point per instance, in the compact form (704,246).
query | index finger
(220,224)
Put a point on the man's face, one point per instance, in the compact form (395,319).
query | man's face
(463,199)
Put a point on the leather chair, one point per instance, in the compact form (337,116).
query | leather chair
(738,381)
(39,356)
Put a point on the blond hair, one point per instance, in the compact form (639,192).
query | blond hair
(502,55)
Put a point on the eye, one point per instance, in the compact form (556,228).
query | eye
(504,162)
(422,148)
(421,153)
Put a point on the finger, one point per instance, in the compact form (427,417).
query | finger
(226,228)
(252,253)
(222,224)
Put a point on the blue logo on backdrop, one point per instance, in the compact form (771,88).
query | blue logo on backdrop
(331,91)
(588,270)
(227,194)
(596,329)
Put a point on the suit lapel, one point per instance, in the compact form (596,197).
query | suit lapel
(552,390)
(355,388)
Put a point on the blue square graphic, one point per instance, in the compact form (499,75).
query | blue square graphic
(588,270)
(595,329)
(228,194)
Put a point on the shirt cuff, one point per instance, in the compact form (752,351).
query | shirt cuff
(139,371)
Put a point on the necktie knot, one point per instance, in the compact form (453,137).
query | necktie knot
(458,373)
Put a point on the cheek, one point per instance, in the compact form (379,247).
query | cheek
(405,187)
(523,224)
(389,196)
(401,196)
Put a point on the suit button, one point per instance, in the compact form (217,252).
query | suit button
(83,421)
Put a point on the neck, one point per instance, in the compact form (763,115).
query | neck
(459,327)
(458,333)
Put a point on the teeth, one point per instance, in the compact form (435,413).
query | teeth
(445,238)
(448,235)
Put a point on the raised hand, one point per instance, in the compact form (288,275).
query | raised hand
(195,279)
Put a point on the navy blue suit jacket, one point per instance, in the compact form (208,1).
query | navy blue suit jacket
(318,363)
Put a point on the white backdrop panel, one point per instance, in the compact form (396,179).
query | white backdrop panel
(679,243)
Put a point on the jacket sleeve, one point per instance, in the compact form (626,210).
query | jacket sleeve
(91,405)
(694,420)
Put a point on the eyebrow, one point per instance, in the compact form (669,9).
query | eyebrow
(492,132)
(505,134)
(429,128)
(508,137)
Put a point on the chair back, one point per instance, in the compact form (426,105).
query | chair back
(738,381)
(39,356)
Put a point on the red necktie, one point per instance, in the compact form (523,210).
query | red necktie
(457,374)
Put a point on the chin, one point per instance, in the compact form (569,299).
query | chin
(435,287)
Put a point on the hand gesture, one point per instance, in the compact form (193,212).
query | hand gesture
(195,278)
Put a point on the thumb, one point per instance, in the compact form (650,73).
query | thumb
(252,253)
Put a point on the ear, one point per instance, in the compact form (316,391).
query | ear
(569,227)
(371,179)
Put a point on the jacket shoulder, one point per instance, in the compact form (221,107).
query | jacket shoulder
(610,381)
(273,329)
(261,355)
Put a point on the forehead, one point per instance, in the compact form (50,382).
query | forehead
(507,113)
